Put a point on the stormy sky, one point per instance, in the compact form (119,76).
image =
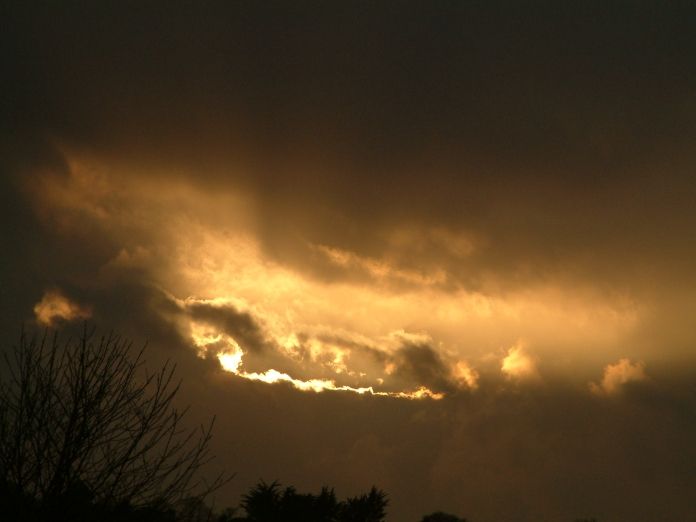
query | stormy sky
(446,248)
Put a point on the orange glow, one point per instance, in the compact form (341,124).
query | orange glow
(201,247)
(55,306)
(231,361)
(466,375)
(618,374)
(379,270)
(518,364)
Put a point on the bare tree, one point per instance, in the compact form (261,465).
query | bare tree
(85,415)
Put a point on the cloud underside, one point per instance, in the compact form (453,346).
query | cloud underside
(243,347)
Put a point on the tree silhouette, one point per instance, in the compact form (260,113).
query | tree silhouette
(263,502)
(370,507)
(82,424)
(439,516)
(269,503)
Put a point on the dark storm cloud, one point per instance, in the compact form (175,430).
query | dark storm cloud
(479,71)
(422,364)
(239,325)
(548,124)
(409,363)
(557,451)
(261,351)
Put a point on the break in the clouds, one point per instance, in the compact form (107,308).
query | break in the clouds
(323,211)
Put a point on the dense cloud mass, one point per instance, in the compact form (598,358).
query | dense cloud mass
(441,247)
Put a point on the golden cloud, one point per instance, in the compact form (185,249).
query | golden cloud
(205,248)
(618,374)
(517,364)
(230,355)
(54,307)
(465,375)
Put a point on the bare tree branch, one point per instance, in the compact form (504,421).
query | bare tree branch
(86,414)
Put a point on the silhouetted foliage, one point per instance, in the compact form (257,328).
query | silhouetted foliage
(84,437)
(439,516)
(365,508)
(270,503)
(262,503)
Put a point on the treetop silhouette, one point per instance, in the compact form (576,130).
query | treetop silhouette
(270,503)
(84,419)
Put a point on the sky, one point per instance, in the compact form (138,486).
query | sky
(445,248)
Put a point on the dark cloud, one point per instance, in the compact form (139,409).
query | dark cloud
(410,365)
(239,325)
(422,364)
(524,126)
(559,451)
